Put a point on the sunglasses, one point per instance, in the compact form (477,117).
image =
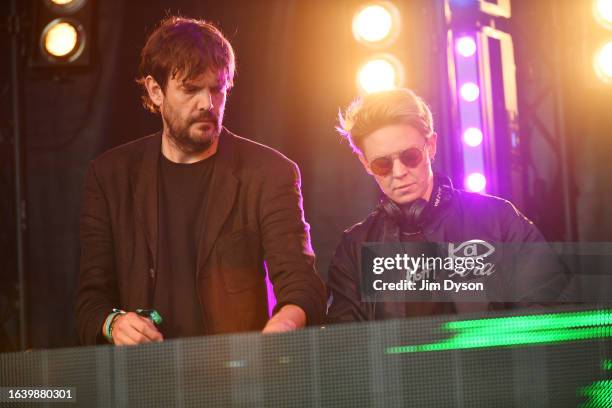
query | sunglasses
(411,158)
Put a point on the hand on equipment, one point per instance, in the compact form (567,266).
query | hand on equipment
(134,328)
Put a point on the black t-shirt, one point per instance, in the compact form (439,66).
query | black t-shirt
(183,190)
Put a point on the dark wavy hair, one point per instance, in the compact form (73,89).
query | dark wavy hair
(183,48)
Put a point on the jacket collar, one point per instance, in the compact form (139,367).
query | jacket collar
(221,196)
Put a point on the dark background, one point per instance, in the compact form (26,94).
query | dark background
(296,62)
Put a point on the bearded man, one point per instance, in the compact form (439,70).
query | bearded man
(182,221)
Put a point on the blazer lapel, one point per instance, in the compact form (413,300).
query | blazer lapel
(221,197)
(145,194)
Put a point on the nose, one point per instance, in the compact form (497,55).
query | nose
(205,102)
(399,169)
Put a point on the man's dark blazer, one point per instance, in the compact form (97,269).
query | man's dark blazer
(254,214)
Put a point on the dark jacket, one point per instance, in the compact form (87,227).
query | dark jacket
(466,216)
(254,215)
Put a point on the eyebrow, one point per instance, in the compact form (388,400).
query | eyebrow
(191,84)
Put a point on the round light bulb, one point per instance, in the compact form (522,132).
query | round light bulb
(61,39)
(472,137)
(379,74)
(469,91)
(466,46)
(476,182)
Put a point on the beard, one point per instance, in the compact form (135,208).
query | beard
(178,131)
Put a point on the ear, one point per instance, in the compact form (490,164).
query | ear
(432,143)
(365,163)
(154,90)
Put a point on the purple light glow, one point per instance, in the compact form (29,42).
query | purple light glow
(472,137)
(476,182)
(270,290)
(466,46)
(469,91)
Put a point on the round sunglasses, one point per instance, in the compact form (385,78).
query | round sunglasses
(411,158)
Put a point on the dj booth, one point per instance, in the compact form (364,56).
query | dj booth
(553,357)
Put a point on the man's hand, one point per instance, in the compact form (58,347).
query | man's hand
(289,317)
(131,329)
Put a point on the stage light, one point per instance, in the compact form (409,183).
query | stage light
(60,39)
(472,137)
(466,46)
(602,63)
(65,6)
(476,182)
(380,74)
(62,34)
(376,23)
(469,91)
(603,12)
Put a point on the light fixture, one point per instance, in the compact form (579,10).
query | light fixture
(376,24)
(469,91)
(602,9)
(466,46)
(475,182)
(66,6)
(62,39)
(381,73)
(62,34)
(602,62)
(472,137)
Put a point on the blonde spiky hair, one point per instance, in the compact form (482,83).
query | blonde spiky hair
(373,111)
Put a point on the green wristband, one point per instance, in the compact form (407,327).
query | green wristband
(108,324)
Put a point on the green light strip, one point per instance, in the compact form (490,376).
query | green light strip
(518,330)
(599,394)
(539,322)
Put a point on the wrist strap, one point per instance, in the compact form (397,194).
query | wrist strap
(108,324)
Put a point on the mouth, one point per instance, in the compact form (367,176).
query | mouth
(404,187)
(206,123)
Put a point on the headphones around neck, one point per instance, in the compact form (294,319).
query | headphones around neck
(416,214)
